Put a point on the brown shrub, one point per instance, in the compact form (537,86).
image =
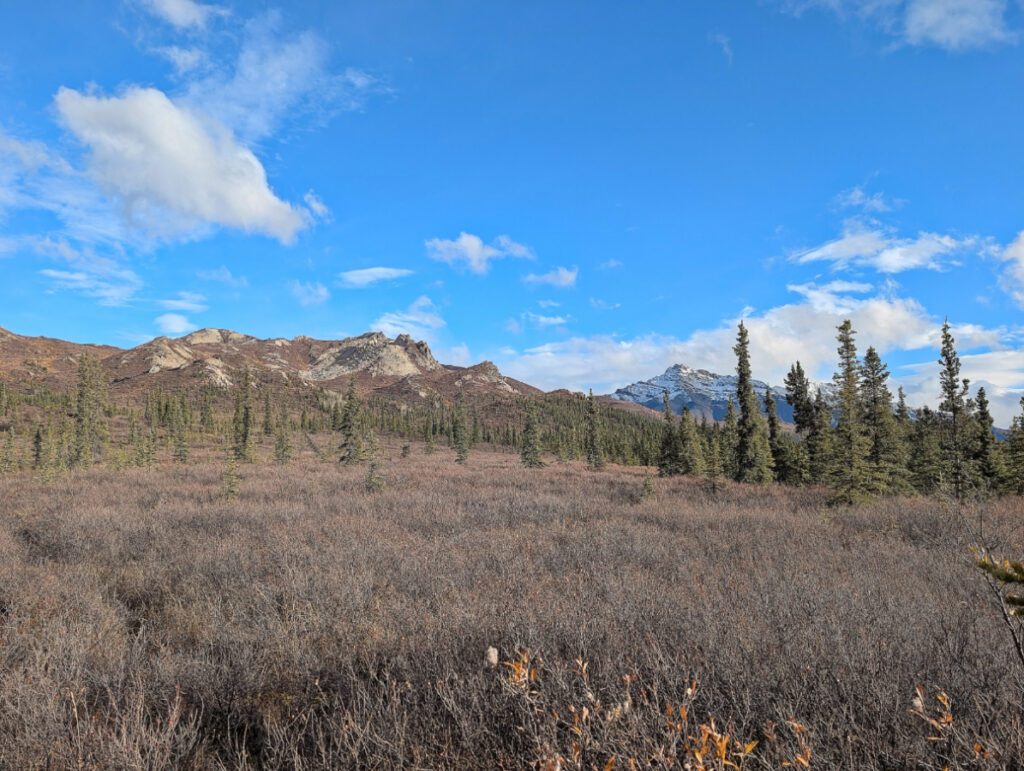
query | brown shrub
(147,622)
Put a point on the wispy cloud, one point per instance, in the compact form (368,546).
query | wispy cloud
(559,277)
(185,301)
(603,305)
(309,293)
(471,252)
(224,276)
(364,277)
(278,79)
(954,25)
(868,243)
(184,14)
(724,43)
(1012,277)
(858,198)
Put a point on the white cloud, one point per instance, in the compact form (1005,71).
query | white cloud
(610,264)
(309,293)
(185,301)
(870,244)
(471,251)
(174,324)
(779,336)
(420,320)
(548,303)
(1012,278)
(955,25)
(363,277)
(184,13)
(539,320)
(224,276)
(603,305)
(559,277)
(724,43)
(174,171)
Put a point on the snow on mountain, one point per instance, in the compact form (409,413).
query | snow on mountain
(704,393)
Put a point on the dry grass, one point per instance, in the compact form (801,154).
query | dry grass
(147,622)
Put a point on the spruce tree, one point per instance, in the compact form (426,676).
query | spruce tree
(887,456)
(243,418)
(282,444)
(268,416)
(692,449)
(849,474)
(726,444)
(753,454)
(928,473)
(987,459)
(38,448)
(1015,454)
(530,452)
(90,432)
(953,409)
(460,435)
(670,458)
(8,462)
(594,446)
(352,450)
(776,439)
(798,396)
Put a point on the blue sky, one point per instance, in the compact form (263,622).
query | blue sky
(584,192)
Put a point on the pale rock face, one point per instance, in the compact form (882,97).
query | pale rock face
(216,372)
(167,355)
(374,354)
(485,373)
(208,336)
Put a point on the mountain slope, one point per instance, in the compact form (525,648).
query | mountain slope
(704,393)
(399,367)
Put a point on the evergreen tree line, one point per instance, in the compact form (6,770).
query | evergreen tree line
(861,442)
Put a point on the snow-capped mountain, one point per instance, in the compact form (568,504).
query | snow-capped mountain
(704,393)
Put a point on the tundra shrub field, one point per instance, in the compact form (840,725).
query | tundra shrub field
(491,616)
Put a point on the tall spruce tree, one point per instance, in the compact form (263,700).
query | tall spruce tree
(776,440)
(727,439)
(530,451)
(460,433)
(953,409)
(798,396)
(242,422)
(887,456)
(352,450)
(692,447)
(594,446)
(90,427)
(987,458)
(753,454)
(670,456)
(1015,454)
(849,474)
